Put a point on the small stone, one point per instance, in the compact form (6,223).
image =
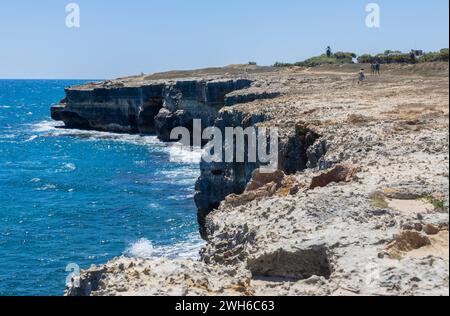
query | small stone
(420,217)
(313,280)
(418,227)
(431,229)
(443,226)
(294,190)
(407,227)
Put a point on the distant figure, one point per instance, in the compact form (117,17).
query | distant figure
(373,67)
(361,76)
(378,69)
(329,52)
(412,57)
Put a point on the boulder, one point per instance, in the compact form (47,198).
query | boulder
(260,178)
(340,173)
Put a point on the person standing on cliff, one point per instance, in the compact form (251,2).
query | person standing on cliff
(361,76)
(378,69)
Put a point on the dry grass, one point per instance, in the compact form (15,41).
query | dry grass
(378,200)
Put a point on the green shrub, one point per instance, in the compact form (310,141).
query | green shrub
(366,59)
(337,58)
(444,54)
(397,57)
(429,57)
(280,65)
(317,61)
(345,56)
(390,52)
(439,205)
(387,59)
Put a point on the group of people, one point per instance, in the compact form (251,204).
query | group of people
(376,70)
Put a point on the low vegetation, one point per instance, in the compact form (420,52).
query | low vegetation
(388,57)
(324,59)
(439,205)
(378,200)
(398,57)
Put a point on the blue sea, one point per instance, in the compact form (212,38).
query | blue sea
(70,197)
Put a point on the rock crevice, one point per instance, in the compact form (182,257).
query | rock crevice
(299,148)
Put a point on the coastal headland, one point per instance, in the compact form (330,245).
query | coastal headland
(358,205)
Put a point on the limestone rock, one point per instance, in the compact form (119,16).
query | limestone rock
(431,229)
(330,240)
(340,173)
(260,178)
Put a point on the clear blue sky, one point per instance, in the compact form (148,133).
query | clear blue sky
(118,38)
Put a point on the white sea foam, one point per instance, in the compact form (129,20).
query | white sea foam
(55,129)
(31,138)
(46,187)
(143,248)
(181,172)
(45,126)
(177,152)
(184,154)
(8,136)
(70,167)
(183,175)
(185,250)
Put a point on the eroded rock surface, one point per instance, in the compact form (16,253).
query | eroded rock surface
(145,106)
(354,233)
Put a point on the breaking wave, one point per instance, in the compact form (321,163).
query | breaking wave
(55,129)
(178,153)
(144,248)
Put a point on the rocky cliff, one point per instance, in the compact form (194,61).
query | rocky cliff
(358,206)
(186,100)
(111,107)
(299,148)
(157,107)
(154,107)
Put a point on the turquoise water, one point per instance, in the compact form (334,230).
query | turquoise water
(83,197)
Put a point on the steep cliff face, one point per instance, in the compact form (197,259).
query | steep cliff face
(187,100)
(219,179)
(298,148)
(111,108)
(154,107)
(157,107)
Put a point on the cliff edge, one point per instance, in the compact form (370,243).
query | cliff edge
(359,205)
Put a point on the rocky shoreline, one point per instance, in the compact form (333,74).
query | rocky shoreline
(157,107)
(359,205)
